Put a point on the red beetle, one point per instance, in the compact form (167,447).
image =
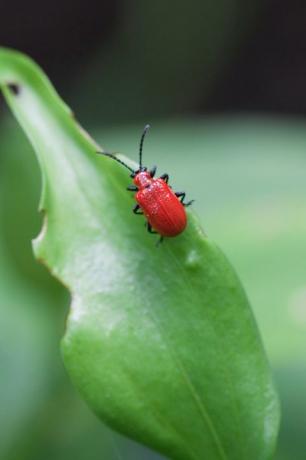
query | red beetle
(164,211)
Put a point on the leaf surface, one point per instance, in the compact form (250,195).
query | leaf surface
(160,342)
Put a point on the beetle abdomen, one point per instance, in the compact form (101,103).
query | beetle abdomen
(162,208)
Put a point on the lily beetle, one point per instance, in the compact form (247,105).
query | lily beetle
(163,208)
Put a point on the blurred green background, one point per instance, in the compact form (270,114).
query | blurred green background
(222,86)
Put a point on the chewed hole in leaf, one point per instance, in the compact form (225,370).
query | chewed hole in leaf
(14,88)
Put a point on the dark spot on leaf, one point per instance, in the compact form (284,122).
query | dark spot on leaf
(14,88)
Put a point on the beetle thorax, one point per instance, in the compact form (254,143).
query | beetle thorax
(143,180)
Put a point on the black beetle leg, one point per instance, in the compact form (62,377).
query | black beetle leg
(188,203)
(132,188)
(182,196)
(165,177)
(137,209)
(152,171)
(161,239)
(150,229)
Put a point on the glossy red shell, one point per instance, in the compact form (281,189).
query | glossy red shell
(160,205)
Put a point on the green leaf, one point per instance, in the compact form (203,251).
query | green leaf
(160,342)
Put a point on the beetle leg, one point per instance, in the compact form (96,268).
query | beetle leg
(182,196)
(132,188)
(165,177)
(152,171)
(161,239)
(188,203)
(137,209)
(150,229)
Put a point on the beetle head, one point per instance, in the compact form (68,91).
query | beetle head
(142,178)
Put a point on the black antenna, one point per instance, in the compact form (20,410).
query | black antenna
(111,155)
(146,129)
